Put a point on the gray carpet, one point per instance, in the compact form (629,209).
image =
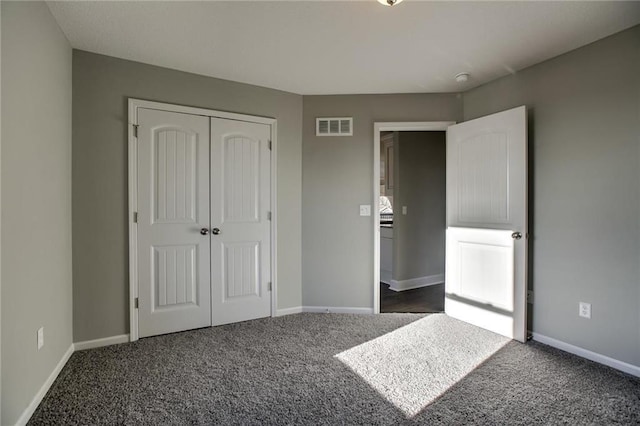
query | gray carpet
(415,364)
(337,369)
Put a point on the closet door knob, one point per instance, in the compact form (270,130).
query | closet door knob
(516,235)
(215,231)
(204,231)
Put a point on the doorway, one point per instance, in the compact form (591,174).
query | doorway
(412,221)
(486,219)
(384,182)
(201,225)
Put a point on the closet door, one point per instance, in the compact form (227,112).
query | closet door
(241,231)
(173,222)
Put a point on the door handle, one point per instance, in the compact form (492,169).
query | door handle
(516,235)
(215,231)
(204,231)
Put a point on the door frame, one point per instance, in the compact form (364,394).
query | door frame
(133,105)
(409,126)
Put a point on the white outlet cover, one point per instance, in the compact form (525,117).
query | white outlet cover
(365,210)
(584,309)
(404,209)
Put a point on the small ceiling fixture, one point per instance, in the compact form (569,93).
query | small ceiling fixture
(462,77)
(389,2)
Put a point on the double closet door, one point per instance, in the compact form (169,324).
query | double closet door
(204,234)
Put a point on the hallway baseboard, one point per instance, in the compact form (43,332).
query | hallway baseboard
(416,282)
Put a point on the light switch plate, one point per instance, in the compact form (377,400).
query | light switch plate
(365,210)
(40,338)
(404,209)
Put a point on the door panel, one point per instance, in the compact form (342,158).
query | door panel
(241,270)
(482,179)
(240,253)
(487,171)
(486,208)
(479,278)
(241,179)
(175,186)
(173,206)
(174,276)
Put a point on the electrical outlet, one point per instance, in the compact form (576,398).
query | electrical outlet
(365,210)
(404,209)
(584,310)
(40,338)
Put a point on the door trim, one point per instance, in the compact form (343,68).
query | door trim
(409,126)
(133,105)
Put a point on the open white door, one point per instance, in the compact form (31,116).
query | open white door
(486,257)
(240,209)
(173,222)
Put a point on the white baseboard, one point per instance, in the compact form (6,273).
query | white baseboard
(323,309)
(28,412)
(336,310)
(98,343)
(584,353)
(31,408)
(289,311)
(416,282)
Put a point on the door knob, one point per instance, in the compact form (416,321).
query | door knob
(516,235)
(204,231)
(215,231)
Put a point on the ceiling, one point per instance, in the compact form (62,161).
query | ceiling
(329,47)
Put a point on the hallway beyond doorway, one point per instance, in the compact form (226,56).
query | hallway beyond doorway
(420,300)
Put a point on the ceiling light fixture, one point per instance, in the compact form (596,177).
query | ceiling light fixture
(389,2)
(462,77)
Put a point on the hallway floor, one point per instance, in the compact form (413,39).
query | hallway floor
(420,300)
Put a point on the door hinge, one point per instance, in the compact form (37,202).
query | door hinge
(135,217)
(135,130)
(270,146)
(136,303)
(269,286)
(268,215)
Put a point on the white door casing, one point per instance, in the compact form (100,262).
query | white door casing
(173,207)
(241,230)
(486,212)
(422,126)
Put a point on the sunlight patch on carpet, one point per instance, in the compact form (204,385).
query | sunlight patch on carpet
(413,365)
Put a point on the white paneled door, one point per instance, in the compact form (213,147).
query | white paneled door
(173,210)
(240,208)
(204,235)
(486,259)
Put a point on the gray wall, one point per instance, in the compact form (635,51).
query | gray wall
(584,118)
(419,236)
(36,201)
(101,86)
(337,243)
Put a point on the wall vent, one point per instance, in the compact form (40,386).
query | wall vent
(334,126)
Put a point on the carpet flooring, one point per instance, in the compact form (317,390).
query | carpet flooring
(337,369)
